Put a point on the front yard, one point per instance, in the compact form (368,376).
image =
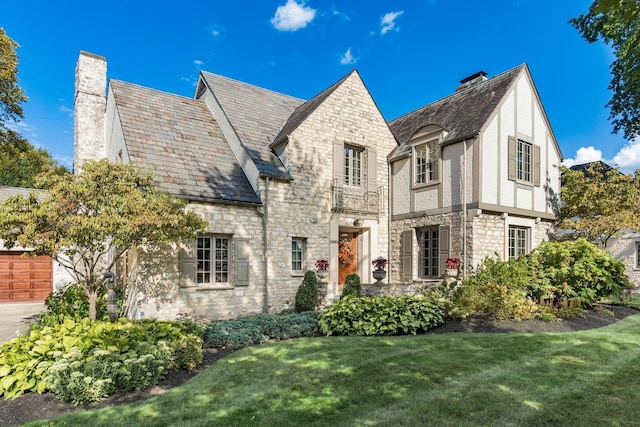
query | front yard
(570,379)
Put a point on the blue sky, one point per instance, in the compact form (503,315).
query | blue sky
(409,53)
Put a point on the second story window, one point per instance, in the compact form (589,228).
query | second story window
(426,162)
(524,162)
(352,166)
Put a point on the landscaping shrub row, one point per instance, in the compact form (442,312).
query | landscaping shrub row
(242,332)
(87,360)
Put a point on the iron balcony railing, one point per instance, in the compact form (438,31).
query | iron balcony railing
(355,199)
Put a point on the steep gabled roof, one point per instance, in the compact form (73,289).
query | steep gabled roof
(462,114)
(303,111)
(179,141)
(256,114)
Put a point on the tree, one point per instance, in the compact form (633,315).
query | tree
(87,221)
(598,204)
(11,95)
(617,22)
(20,162)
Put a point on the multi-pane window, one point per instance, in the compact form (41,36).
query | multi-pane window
(297,254)
(518,237)
(352,166)
(637,254)
(524,157)
(429,252)
(212,260)
(426,162)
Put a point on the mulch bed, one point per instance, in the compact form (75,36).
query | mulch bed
(33,406)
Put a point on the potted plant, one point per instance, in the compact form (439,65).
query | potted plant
(379,272)
(452,266)
(322,265)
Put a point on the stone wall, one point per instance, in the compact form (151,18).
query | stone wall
(624,249)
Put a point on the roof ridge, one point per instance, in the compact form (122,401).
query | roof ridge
(461,91)
(251,85)
(151,89)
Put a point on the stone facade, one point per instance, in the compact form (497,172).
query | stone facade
(625,249)
(89,106)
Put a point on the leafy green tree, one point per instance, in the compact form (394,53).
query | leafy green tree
(617,23)
(11,95)
(598,204)
(20,162)
(87,221)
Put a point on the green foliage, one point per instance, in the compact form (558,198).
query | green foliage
(72,303)
(598,204)
(81,378)
(617,23)
(575,270)
(25,360)
(243,332)
(381,315)
(492,300)
(87,221)
(11,95)
(308,294)
(352,286)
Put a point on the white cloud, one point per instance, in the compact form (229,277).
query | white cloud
(584,155)
(67,110)
(388,22)
(348,58)
(628,158)
(292,16)
(198,63)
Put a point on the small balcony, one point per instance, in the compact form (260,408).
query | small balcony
(355,199)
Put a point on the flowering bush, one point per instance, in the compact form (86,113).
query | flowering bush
(452,263)
(379,263)
(322,264)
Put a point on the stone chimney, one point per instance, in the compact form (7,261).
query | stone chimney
(89,109)
(473,79)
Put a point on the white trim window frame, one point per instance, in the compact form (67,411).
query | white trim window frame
(353,166)
(426,160)
(298,254)
(518,241)
(213,260)
(524,161)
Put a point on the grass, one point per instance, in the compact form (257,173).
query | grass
(572,379)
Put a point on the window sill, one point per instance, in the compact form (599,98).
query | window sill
(297,274)
(213,287)
(422,186)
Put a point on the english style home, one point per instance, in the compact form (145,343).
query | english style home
(284,182)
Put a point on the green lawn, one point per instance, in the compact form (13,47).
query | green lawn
(572,379)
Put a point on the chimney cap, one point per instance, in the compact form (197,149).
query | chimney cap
(473,77)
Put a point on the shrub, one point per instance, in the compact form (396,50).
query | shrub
(307,295)
(83,378)
(72,303)
(575,270)
(238,333)
(492,300)
(352,286)
(381,315)
(25,361)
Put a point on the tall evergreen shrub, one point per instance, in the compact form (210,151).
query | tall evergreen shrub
(352,286)
(307,295)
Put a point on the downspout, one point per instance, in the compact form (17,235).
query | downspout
(464,210)
(265,239)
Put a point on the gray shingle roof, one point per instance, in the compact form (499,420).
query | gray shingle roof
(256,115)
(177,139)
(303,111)
(462,113)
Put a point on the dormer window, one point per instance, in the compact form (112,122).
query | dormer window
(426,161)
(352,166)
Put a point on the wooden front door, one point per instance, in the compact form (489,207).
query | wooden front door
(347,256)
